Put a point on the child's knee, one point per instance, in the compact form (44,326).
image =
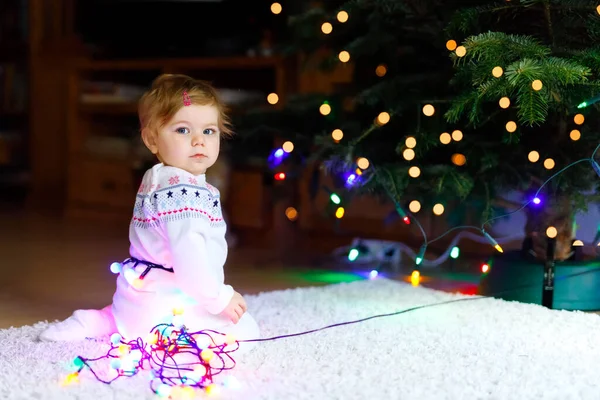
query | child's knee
(246,328)
(251,329)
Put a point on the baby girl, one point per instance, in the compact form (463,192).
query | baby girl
(177,232)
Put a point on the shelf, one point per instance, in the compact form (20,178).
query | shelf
(12,114)
(12,51)
(178,63)
(86,157)
(109,108)
(132,108)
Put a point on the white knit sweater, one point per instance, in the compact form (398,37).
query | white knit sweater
(177,223)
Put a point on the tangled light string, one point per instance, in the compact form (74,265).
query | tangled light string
(180,362)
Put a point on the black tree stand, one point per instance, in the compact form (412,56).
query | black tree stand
(561,285)
(548,284)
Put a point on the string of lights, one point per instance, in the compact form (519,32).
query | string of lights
(535,200)
(180,362)
(406,310)
(352,252)
(419,257)
(279,154)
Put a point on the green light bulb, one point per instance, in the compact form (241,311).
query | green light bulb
(455,252)
(78,362)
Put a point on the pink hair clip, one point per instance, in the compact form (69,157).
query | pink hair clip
(186,99)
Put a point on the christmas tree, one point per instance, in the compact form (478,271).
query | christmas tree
(456,103)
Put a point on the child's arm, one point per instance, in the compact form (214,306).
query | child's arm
(198,273)
(191,217)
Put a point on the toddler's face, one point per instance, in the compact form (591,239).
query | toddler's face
(190,140)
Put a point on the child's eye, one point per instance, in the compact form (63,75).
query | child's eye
(182,130)
(209,131)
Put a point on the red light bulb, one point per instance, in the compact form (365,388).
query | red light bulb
(280,176)
(485,268)
(406,220)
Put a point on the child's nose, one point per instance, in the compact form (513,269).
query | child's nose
(197,140)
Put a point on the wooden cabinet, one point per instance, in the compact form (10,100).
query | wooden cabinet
(248,201)
(363,215)
(14,89)
(102,184)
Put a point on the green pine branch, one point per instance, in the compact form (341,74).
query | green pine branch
(524,60)
(467,19)
(532,106)
(574,4)
(408,36)
(502,47)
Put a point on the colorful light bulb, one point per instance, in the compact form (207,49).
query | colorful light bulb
(455,252)
(415,278)
(419,258)
(116,268)
(492,241)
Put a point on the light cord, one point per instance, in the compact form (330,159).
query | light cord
(427,242)
(426,263)
(538,191)
(415,308)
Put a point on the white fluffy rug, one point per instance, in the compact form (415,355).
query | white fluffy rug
(478,349)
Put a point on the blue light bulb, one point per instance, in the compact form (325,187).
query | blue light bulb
(115,268)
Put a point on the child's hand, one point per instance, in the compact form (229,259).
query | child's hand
(236,308)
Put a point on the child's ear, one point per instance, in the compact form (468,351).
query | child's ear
(149,139)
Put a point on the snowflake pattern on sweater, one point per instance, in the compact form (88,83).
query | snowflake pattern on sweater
(174,198)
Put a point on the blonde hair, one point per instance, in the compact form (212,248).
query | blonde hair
(166,96)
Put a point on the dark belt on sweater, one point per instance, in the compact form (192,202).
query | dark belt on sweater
(149,266)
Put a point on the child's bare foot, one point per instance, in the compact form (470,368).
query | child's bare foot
(81,325)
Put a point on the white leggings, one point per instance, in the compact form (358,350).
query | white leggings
(93,323)
(98,323)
